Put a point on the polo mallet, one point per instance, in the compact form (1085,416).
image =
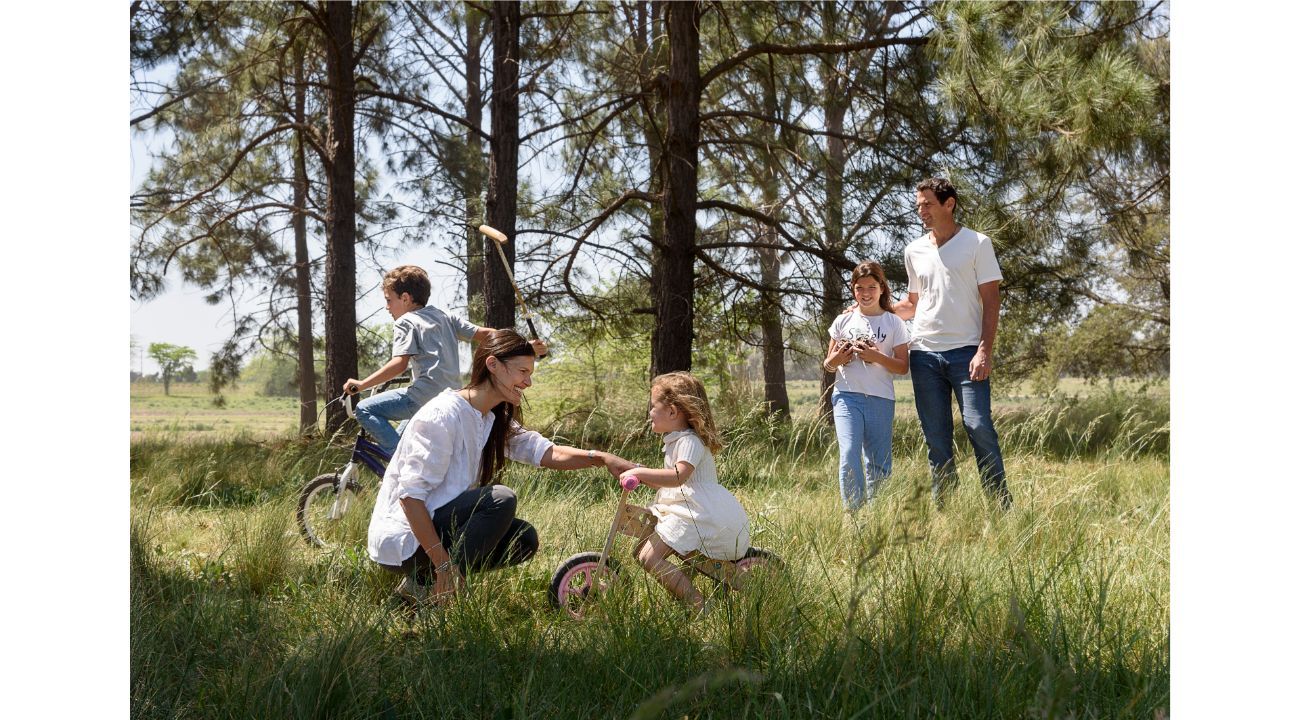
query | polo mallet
(498,238)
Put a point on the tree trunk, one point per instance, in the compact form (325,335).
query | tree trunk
(833,281)
(301,260)
(774,391)
(649,24)
(503,168)
(473,189)
(670,343)
(769,261)
(340,210)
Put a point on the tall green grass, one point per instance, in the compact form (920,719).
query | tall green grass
(1059,608)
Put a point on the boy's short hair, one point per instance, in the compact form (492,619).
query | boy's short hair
(941,188)
(409,279)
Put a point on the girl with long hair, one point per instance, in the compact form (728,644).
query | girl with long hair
(868,349)
(694,511)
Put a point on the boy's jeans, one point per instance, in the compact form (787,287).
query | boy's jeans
(863,423)
(936,376)
(375,412)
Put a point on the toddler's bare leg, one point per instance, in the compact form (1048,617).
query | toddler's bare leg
(653,556)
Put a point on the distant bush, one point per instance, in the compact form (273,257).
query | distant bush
(271,375)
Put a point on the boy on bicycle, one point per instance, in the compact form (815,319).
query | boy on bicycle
(424,339)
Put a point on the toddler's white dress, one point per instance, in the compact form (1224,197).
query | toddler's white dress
(699,514)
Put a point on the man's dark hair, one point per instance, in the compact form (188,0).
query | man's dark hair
(941,188)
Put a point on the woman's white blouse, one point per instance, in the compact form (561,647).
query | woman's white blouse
(437,459)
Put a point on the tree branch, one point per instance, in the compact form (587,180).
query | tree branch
(808,49)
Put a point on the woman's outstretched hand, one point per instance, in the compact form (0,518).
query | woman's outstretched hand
(617,465)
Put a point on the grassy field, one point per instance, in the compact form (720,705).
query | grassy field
(188,412)
(1059,608)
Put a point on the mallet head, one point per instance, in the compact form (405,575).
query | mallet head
(493,233)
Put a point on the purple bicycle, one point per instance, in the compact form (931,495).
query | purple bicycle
(334,508)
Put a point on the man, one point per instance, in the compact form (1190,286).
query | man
(952,295)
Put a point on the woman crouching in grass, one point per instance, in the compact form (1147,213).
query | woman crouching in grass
(439,511)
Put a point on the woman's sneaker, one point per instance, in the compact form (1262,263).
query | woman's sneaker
(413,592)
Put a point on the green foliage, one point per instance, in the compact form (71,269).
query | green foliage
(1095,349)
(1067,107)
(272,375)
(172,361)
(1054,78)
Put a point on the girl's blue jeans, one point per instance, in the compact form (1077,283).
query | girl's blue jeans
(865,427)
(375,412)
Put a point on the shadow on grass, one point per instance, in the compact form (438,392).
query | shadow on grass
(338,647)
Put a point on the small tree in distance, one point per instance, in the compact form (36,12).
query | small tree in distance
(171,359)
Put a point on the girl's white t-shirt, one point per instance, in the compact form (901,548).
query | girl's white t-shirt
(886,331)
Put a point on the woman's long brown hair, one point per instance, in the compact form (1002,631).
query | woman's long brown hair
(500,344)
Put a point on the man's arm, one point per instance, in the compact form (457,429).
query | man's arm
(982,364)
(392,369)
(906,309)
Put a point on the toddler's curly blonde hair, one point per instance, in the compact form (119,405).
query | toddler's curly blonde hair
(685,392)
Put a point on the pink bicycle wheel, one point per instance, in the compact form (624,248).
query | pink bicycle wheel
(576,582)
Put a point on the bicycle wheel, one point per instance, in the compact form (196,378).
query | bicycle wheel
(575,582)
(328,518)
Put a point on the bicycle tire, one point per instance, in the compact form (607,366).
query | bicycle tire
(315,502)
(573,582)
(757,558)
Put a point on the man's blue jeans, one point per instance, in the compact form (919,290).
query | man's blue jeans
(864,424)
(936,377)
(375,412)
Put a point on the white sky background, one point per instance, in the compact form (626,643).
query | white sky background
(1234,487)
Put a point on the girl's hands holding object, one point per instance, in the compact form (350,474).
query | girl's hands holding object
(844,352)
(868,353)
(628,478)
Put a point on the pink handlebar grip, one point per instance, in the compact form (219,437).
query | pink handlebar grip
(630,482)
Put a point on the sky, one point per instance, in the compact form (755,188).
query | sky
(1233,489)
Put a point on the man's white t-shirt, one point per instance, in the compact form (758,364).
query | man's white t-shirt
(886,331)
(949,312)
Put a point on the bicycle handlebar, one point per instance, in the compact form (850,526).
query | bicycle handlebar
(346,398)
